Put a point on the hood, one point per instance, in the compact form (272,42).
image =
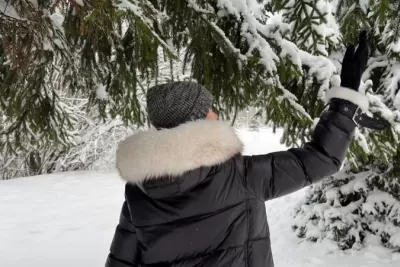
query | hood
(150,155)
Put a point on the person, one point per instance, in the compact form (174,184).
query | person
(193,199)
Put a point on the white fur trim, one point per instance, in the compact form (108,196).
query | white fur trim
(172,152)
(353,96)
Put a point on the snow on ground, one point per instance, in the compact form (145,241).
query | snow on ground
(68,219)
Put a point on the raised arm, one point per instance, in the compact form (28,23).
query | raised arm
(280,173)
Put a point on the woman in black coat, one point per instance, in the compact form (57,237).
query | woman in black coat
(192,198)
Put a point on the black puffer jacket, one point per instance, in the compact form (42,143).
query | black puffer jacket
(203,202)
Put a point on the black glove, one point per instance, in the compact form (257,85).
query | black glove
(354,64)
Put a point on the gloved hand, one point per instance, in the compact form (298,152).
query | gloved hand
(347,101)
(354,63)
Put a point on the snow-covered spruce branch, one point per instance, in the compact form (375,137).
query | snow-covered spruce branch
(313,26)
(353,210)
(137,9)
(253,31)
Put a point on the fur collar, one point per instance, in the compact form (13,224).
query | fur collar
(172,152)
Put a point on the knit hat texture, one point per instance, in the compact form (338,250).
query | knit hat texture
(171,104)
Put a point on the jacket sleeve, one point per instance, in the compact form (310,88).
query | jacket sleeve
(280,173)
(124,245)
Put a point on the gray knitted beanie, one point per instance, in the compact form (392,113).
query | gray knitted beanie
(171,104)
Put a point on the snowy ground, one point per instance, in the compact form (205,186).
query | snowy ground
(68,219)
